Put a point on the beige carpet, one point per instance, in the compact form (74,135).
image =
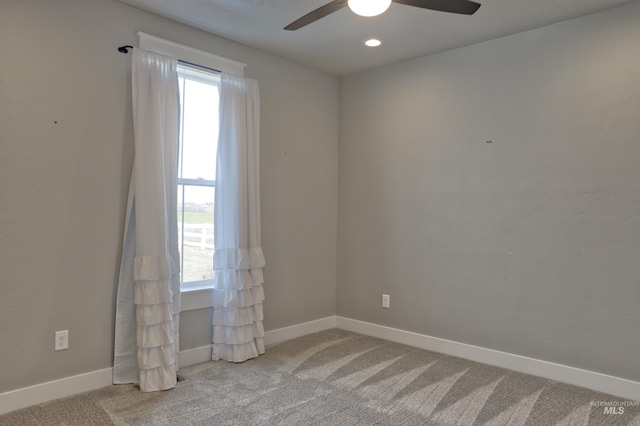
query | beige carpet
(339,378)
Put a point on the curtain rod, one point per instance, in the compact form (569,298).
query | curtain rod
(124,49)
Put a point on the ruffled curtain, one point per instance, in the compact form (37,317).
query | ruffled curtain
(148,301)
(238,334)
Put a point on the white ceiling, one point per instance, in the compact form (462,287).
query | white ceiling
(334,43)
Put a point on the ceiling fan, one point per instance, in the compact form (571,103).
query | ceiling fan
(374,8)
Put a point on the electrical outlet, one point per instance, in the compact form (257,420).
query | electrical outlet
(385,300)
(62,340)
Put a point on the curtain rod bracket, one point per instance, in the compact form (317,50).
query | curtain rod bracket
(123,49)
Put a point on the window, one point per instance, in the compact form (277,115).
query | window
(193,185)
(198,146)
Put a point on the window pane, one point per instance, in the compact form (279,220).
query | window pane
(199,99)
(199,131)
(195,228)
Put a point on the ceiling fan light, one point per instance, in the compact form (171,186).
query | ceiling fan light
(369,7)
(372,42)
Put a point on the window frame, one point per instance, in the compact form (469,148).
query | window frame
(205,76)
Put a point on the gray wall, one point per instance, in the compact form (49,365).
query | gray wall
(529,244)
(66,151)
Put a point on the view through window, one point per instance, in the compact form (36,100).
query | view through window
(199,99)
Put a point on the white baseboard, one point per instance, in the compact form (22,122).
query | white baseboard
(203,353)
(37,394)
(43,392)
(194,356)
(562,373)
(287,333)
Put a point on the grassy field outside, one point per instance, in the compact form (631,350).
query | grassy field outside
(195,217)
(197,264)
(196,258)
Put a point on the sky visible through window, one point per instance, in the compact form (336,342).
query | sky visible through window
(200,130)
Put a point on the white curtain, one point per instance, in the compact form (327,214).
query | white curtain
(238,333)
(148,301)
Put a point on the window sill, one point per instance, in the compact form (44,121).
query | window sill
(200,297)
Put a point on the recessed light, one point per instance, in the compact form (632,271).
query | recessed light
(372,42)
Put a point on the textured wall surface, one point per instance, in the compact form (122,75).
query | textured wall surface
(528,244)
(66,151)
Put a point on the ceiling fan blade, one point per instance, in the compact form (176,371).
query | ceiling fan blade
(320,12)
(465,7)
